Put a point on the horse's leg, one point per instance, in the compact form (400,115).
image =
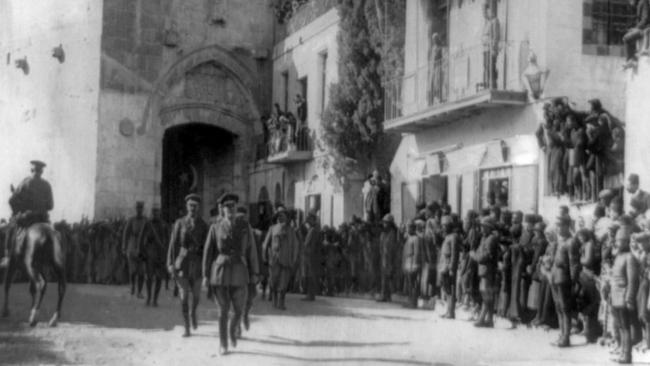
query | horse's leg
(58,267)
(9,276)
(59,272)
(35,287)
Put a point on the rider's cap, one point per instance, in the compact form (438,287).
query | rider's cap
(139,204)
(228,198)
(193,197)
(38,163)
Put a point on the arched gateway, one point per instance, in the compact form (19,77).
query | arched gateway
(202,115)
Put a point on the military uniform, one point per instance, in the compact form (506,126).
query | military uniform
(412,261)
(30,203)
(388,242)
(487,257)
(448,268)
(561,285)
(130,247)
(311,259)
(229,262)
(281,252)
(184,257)
(153,242)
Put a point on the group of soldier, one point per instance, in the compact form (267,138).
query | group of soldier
(570,274)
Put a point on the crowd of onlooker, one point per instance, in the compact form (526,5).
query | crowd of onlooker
(584,150)
(284,131)
(579,274)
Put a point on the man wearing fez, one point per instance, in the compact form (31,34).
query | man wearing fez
(229,263)
(153,242)
(487,257)
(280,250)
(311,255)
(30,203)
(184,258)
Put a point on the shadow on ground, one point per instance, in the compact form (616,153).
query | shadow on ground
(356,360)
(23,349)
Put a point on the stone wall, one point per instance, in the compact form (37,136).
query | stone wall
(51,112)
(149,49)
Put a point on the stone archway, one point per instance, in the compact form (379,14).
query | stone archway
(207,87)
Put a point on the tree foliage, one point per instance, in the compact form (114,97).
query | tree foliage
(371,49)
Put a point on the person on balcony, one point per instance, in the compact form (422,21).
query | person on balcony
(636,32)
(435,70)
(491,40)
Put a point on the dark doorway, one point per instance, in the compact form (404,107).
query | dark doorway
(195,157)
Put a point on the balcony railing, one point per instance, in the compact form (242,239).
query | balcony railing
(289,147)
(452,75)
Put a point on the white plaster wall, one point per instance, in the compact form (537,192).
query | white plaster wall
(637,148)
(51,114)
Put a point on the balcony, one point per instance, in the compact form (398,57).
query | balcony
(286,148)
(453,86)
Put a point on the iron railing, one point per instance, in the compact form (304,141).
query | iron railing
(282,141)
(450,74)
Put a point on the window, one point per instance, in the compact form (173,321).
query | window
(323,81)
(495,187)
(285,89)
(604,24)
(312,204)
(302,83)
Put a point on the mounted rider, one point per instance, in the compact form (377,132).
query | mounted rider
(30,204)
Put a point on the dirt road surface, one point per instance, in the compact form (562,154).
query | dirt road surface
(104,325)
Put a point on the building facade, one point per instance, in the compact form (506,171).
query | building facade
(154,99)
(296,174)
(463,106)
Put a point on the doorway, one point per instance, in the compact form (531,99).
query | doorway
(197,158)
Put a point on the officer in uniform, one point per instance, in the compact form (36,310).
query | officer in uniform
(280,250)
(184,258)
(448,264)
(229,262)
(311,255)
(153,242)
(131,250)
(30,204)
(487,257)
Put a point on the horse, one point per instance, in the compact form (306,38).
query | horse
(41,249)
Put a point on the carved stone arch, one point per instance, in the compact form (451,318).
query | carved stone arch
(242,75)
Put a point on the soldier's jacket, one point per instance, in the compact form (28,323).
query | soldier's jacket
(131,234)
(565,255)
(153,240)
(388,247)
(624,280)
(487,257)
(281,246)
(186,246)
(230,253)
(449,254)
(311,251)
(412,254)
(32,197)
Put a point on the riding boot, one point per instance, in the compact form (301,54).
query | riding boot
(274,298)
(186,319)
(148,288)
(281,301)
(156,291)
(140,282)
(223,332)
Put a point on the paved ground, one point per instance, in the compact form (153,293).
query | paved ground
(103,325)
